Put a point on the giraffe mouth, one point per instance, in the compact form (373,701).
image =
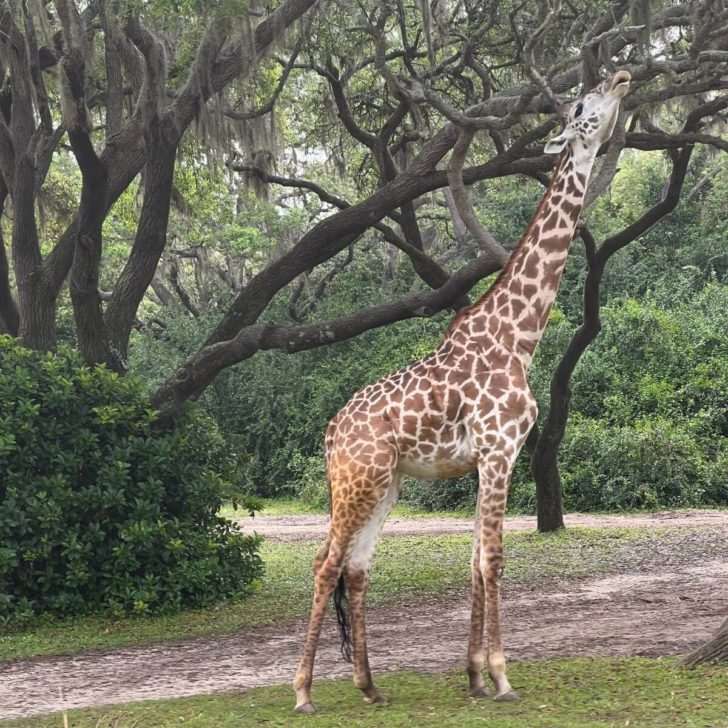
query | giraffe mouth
(620,81)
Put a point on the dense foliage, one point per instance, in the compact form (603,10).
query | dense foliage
(99,510)
(649,419)
(649,426)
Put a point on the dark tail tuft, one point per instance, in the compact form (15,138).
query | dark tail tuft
(341,604)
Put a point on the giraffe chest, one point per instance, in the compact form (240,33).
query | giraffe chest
(431,445)
(444,433)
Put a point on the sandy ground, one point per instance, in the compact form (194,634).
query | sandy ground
(666,604)
(312,528)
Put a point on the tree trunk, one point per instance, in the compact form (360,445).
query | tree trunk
(149,243)
(37,306)
(84,279)
(714,650)
(545,467)
(549,503)
(37,328)
(9,316)
(37,309)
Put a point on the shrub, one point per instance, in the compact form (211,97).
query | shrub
(653,463)
(453,494)
(309,480)
(100,510)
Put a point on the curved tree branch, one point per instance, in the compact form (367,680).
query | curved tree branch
(201,369)
(464,207)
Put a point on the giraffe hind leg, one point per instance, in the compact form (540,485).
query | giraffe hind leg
(357,579)
(328,566)
(351,540)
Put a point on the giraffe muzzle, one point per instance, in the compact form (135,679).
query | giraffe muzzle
(620,82)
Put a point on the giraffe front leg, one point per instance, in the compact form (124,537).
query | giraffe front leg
(327,569)
(494,481)
(476,654)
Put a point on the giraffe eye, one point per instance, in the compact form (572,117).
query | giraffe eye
(579,109)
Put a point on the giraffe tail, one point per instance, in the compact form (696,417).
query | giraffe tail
(341,604)
(341,599)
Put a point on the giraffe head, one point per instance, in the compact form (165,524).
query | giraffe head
(589,120)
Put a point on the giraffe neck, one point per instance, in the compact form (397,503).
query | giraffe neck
(515,310)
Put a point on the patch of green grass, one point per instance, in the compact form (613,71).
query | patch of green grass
(294,507)
(405,569)
(576,693)
(274,507)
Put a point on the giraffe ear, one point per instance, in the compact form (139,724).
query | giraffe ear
(558,143)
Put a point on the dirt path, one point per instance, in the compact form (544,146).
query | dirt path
(312,528)
(644,611)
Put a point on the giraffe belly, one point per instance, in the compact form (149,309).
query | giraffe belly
(452,460)
(435,469)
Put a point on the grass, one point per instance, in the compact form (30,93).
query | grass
(566,693)
(294,507)
(406,568)
(275,507)
(288,506)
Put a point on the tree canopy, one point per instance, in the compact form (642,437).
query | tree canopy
(236,163)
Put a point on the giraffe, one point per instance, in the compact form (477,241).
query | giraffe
(464,407)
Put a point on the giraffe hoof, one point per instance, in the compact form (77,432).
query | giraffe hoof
(376,700)
(480,693)
(506,697)
(306,708)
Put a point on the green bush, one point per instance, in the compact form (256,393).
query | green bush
(653,463)
(654,383)
(309,483)
(453,494)
(100,510)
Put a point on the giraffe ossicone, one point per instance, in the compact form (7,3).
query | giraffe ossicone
(464,407)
